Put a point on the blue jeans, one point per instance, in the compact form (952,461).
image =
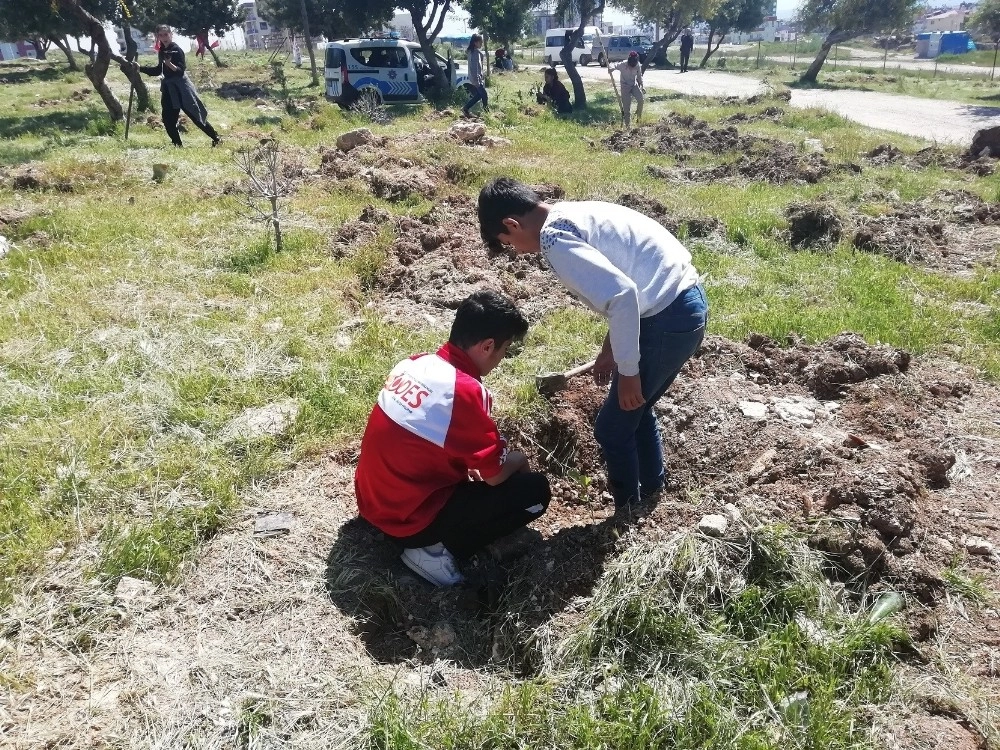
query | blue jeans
(479,95)
(630,440)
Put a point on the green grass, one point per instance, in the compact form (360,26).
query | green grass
(685,643)
(139,319)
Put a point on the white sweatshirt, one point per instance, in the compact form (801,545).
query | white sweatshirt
(629,76)
(619,262)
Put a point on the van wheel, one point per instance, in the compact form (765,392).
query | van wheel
(585,60)
(602,60)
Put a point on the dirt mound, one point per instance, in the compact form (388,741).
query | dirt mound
(694,226)
(241,90)
(436,262)
(950,230)
(813,224)
(385,174)
(768,113)
(886,153)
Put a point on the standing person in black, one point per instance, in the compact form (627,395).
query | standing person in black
(177,93)
(687,44)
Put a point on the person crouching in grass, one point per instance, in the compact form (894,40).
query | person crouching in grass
(434,472)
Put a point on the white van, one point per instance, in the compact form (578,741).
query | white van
(583,53)
(384,70)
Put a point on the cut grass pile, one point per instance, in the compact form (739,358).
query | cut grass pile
(687,642)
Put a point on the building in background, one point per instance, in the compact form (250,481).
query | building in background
(546,17)
(14,50)
(952,19)
(258,32)
(402,24)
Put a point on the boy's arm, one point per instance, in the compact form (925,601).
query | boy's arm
(514,463)
(593,278)
(473,437)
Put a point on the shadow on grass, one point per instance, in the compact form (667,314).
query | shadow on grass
(32,75)
(490,616)
(50,122)
(17,153)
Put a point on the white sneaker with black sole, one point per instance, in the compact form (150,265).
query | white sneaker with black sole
(434,564)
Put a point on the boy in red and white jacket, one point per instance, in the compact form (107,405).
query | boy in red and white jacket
(434,472)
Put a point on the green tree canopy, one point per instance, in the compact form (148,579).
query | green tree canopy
(847,19)
(733,15)
(986,19)
(501,20)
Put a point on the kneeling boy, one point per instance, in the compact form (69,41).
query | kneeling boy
(434,472)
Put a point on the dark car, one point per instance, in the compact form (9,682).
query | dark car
(617,48)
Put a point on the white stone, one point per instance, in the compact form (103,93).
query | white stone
(814,146)
(734,514)
(131,591)
(467,132)
(5,246)
(492,141)
(713,525)
(797,410)
(753,409)
(975,545)
(272,419)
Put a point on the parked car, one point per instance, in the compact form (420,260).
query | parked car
(383,70)
(617,48)
(583,53)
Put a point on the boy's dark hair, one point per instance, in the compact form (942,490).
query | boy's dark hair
(486,315)
(498,200)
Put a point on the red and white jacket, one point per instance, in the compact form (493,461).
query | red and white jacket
(430,427)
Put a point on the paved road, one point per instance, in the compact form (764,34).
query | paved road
(934,120)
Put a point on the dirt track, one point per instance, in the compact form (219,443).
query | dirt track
(933,120)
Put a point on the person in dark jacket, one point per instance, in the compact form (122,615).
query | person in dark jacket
(553,92)
(687,44)
(177,93)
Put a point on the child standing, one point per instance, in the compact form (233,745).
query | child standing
(630,75)
(633,271)
(477,75)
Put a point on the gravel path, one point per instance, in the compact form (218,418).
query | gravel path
(934,120)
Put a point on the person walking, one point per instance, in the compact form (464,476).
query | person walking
(687,44)
(630,75)
(434,474)
(630,269)
(477,75)
(177,93)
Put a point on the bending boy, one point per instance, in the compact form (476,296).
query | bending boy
(434,472)
(629,268)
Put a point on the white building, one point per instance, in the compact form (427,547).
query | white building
(257,31)
(945,20)
(766,32)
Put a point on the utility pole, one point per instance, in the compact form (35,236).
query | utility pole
(309,44)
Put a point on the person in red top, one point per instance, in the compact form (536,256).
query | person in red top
(434,472)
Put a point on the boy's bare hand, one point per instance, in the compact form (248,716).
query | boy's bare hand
(604,365)
(630,392)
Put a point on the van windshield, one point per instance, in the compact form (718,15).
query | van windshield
(642,41)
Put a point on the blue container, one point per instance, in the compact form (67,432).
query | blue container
(954,43)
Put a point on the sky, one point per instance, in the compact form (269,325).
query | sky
(455,24)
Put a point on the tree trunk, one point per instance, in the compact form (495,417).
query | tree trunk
(709,51)
(833,38)
(131,48)
(218,62)
(40,47)
(579,92)
(97,70)
(441,80)
(659,47)
(309,44)
(61,44)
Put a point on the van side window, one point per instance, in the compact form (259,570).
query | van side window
(381,57)
(554,41)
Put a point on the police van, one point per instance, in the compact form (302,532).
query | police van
(583,53)
(383,70)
